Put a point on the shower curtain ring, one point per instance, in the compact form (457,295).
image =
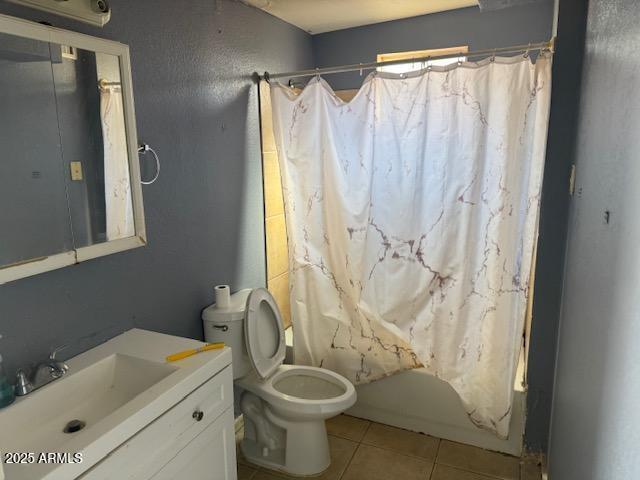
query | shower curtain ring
(526,53)
(493,56)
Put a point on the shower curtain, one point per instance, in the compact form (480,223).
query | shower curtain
(117,185)
(411,215)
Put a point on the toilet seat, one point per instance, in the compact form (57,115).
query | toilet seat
(264,333)
(314,392)
(308,384)
(300,405)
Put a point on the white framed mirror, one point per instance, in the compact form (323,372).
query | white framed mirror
(69,170)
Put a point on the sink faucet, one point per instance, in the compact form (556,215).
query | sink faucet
(42,374)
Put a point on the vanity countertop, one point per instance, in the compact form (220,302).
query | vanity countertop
(123,384)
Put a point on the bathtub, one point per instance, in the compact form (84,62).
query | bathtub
(417,401)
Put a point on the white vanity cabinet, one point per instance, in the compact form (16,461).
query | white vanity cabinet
(211,455)
(144,418)
(194,440)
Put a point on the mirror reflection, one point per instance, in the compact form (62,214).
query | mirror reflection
(64,168)
(34,215)
(92,130)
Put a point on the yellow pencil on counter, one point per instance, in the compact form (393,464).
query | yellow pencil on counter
(187,353)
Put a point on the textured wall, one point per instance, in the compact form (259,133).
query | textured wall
(596,422)
(466,26)
(565,99)
(197,106)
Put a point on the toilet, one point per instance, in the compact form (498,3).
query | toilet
(284,406)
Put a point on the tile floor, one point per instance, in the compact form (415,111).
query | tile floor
(363,450)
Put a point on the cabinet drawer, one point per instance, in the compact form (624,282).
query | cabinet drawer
(149,450)
(209,456)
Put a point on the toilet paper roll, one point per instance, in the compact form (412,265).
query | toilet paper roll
(223,296)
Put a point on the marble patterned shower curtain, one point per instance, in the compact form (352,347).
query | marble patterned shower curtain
(411,215)
(117,184)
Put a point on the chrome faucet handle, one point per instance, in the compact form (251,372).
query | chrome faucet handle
(23,384)
(58,368)
(55,351)
(42,374)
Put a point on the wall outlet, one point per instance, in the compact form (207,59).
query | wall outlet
(76,171)
(94,12)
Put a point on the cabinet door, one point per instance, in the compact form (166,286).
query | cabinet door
(209,456)
(148,451)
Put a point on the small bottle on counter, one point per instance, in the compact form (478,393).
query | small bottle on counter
(7,392)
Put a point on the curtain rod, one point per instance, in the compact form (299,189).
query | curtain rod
(102,83)
(531,47)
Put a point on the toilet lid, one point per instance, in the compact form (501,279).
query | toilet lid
(264,333)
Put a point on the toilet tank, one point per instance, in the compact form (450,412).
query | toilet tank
(227,325)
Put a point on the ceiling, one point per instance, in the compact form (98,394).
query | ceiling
(318,16)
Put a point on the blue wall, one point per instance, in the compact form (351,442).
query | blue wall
(197,106)
(465,26)
(596,421)
(554,213)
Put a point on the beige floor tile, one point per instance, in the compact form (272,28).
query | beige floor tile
(403,441)
(263,475)
(442,472)
(478,460)
(246,473)
(373,463)
(341,451)
(344,426)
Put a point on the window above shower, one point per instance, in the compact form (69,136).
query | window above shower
(414,54)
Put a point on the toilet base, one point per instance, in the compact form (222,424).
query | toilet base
(299,447)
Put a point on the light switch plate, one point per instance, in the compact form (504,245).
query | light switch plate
(76,171)
(94,12)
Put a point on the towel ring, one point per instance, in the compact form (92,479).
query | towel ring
(144,148)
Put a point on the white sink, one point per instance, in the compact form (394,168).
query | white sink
(115,389)
(90,396)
